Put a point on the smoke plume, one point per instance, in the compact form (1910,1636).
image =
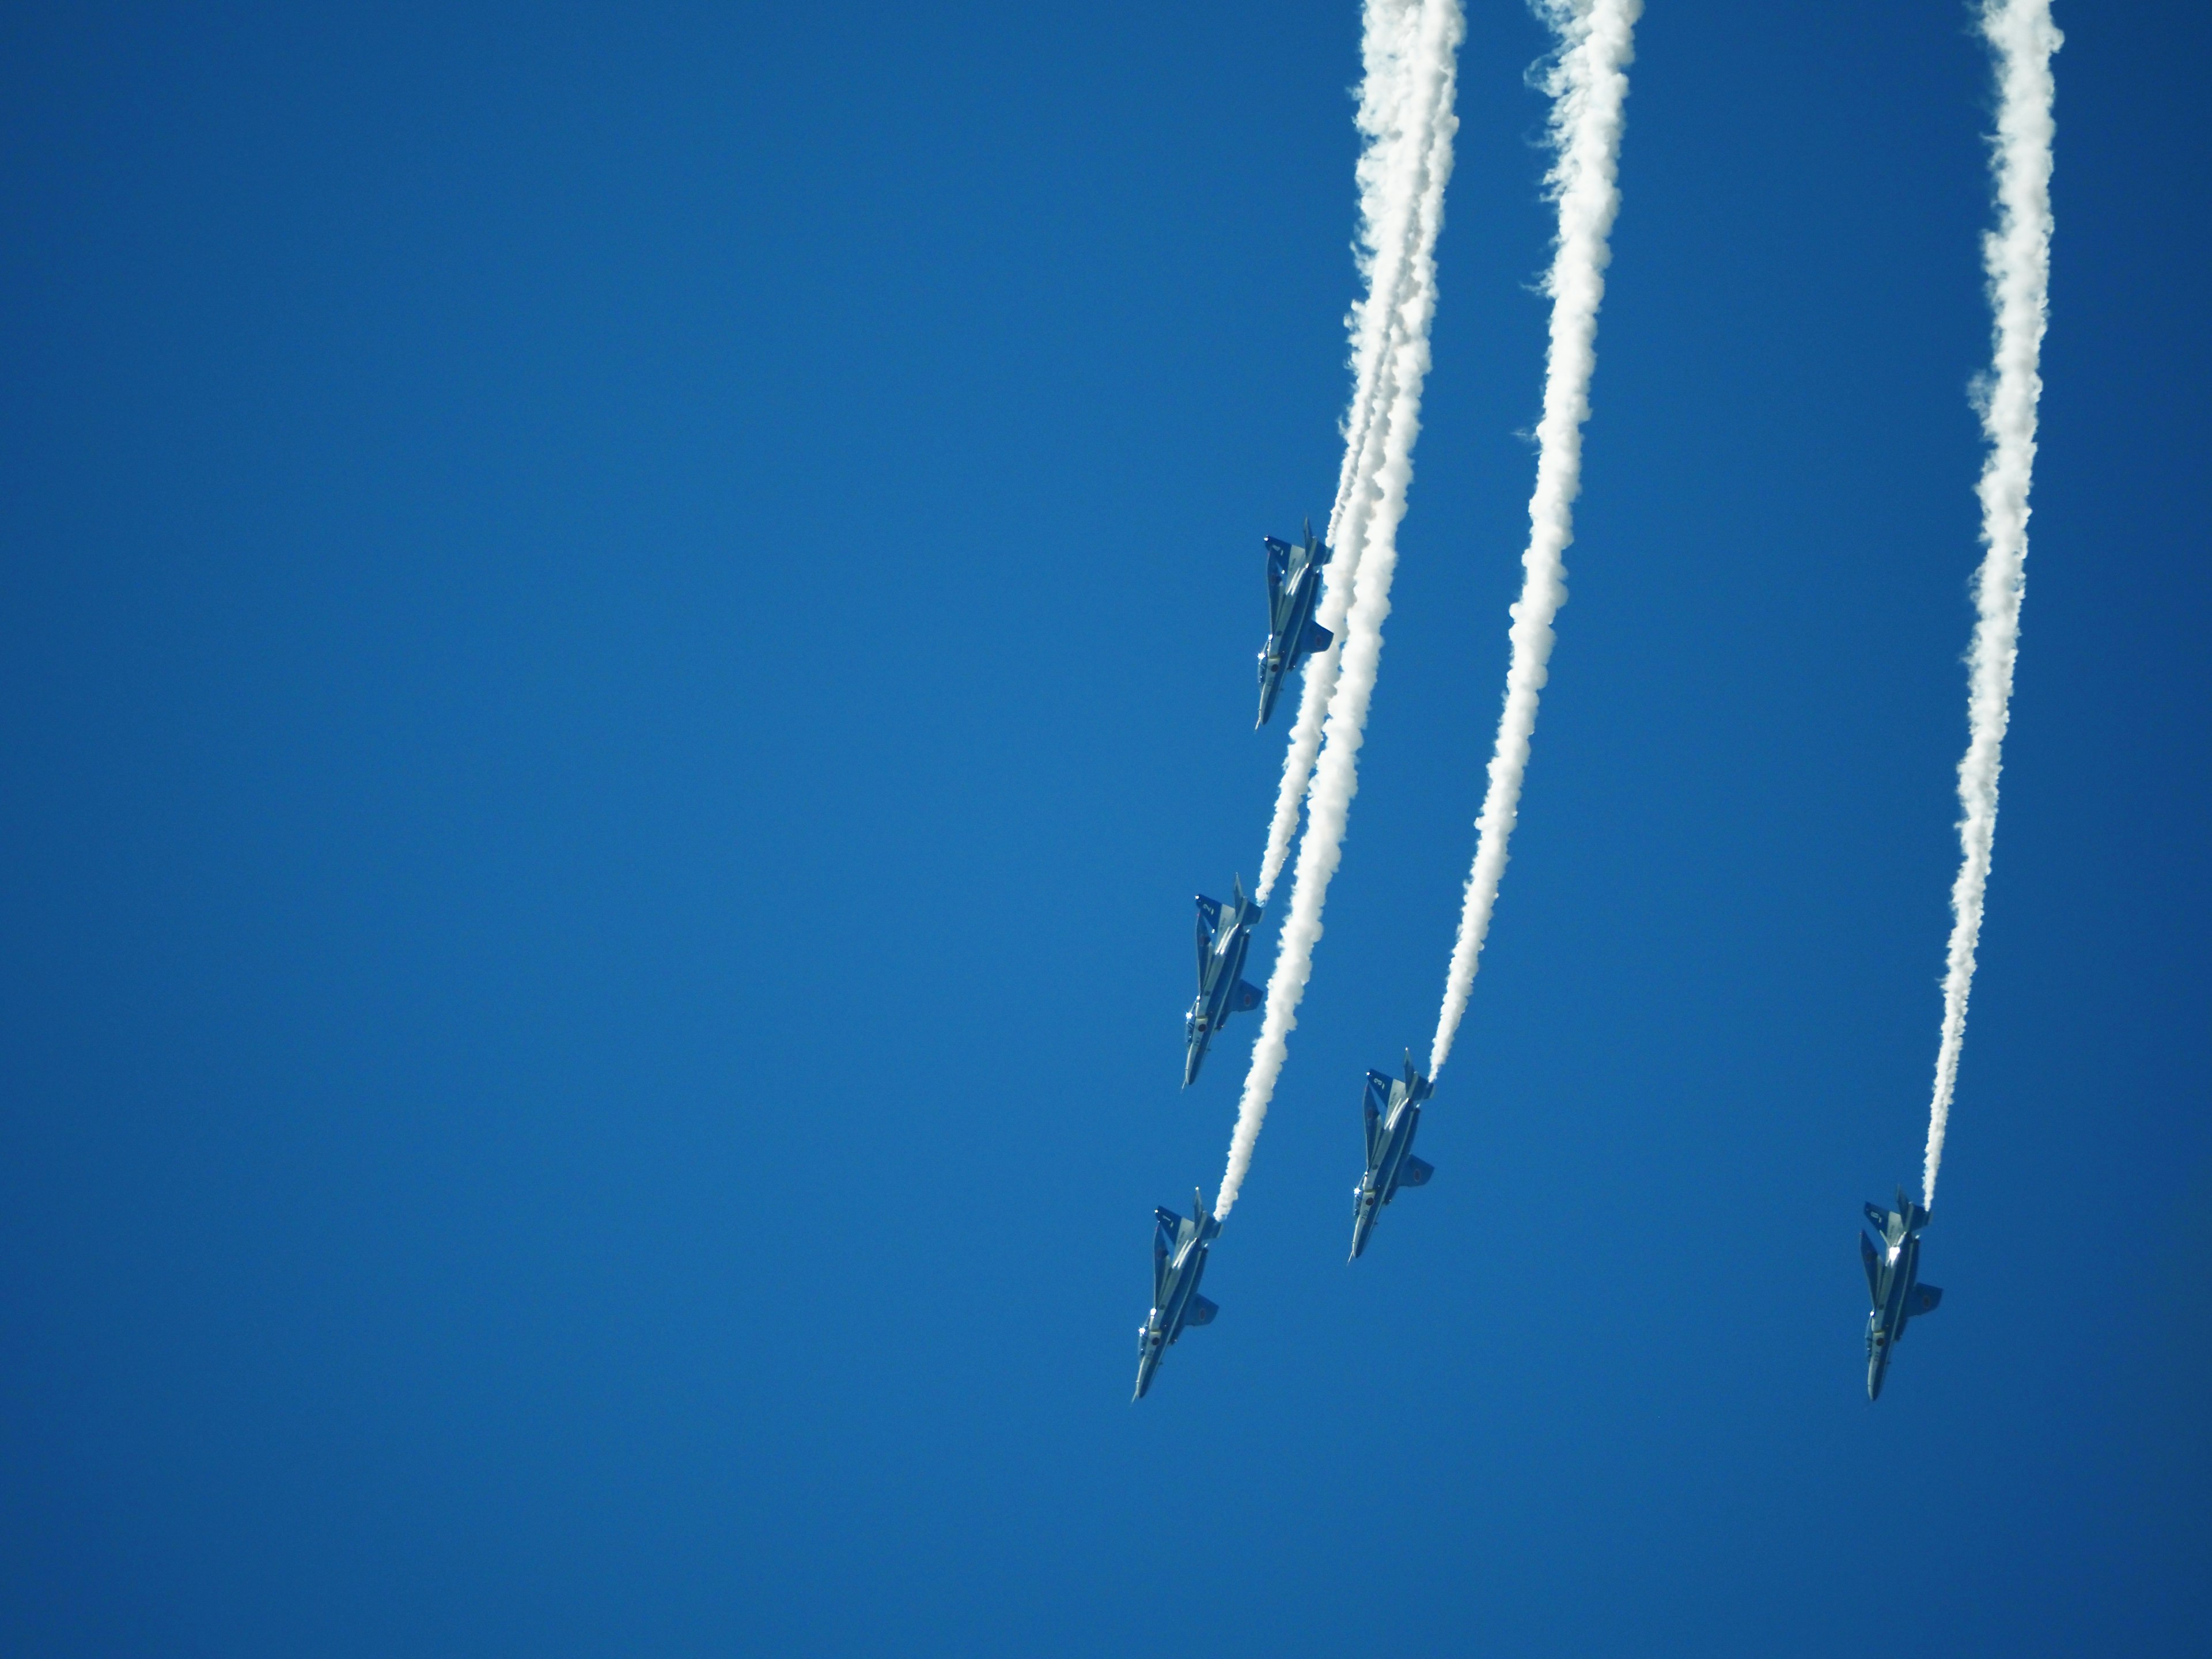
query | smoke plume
(1589,84)
(2017,255)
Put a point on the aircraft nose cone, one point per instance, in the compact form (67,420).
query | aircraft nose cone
(1145,1363)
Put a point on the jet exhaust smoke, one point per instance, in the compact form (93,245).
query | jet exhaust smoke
(1417,42)
(1402,174)
(2017,255)
(1587,80)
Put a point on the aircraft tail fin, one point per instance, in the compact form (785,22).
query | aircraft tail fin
(1416,1086)
(1246,910)
(1926,1298)
(1248,996)
(1414,1173)
(1209,1226)
(1199,1311)
(1319,550)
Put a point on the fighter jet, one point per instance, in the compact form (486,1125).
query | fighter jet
(1225,935)
(1293,586)
(1393,1108)
(1893,1272)
(1179,1248)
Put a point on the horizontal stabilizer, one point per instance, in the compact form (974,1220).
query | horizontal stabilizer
(1317,637)
(1925,1298)
(1201,1312)
(1248,996)
(1414,1173)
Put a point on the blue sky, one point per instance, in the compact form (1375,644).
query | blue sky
(625,636)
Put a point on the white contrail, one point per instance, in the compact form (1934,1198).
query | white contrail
(1433,48)
(2017,256)
(1397,217)
(1589,84)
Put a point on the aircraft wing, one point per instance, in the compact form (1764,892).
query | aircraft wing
(1378,1090)
(1166,1224)
(1279,571)
(1209,924)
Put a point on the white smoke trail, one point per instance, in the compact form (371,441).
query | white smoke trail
(1434,47)
(1397,217)
(1589,84)
(2017,256)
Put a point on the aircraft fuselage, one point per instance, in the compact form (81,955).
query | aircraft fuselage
(1392,1108)
(1179,1252)
(1893,1275)
(1225,939)
(1293,592)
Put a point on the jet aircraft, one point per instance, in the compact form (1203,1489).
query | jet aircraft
(1392,1109)
(1293,588)
(1225,935)
(1179,1248)
(1892,1274)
